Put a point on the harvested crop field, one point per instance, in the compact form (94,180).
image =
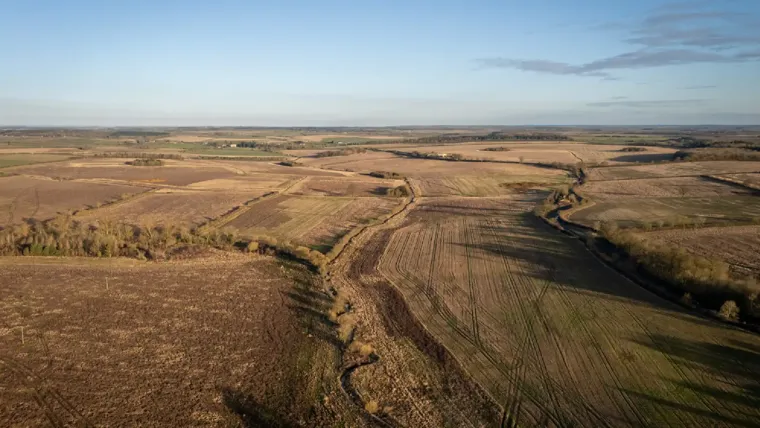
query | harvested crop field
(738,246)
(315,221)
(346,186)
(16,159)
(474,186)
(224,340)
(659,188)
(751,181)
(248,183)
(671,169)
(555,337)
(407,167)
(180,207)
(178,173)
(548,152)
(635,212)
(23,197)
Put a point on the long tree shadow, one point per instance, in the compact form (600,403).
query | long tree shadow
(735,366)
(252,413)
(547,255)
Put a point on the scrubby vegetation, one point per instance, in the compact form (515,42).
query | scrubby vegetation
(138,155)
(716,155)
(289,163)
(633,149)
(342,152)
(385,174)
(63,236)
(497,149)
(402,191)
(709,282)
(146,162)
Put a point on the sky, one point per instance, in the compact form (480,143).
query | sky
(378,62)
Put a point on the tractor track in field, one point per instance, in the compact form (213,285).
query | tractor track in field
(44,396)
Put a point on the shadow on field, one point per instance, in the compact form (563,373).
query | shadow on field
(252,414)
(547,255)
(737,364)
(311,307)
(648,157)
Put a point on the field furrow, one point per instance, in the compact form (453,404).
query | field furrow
(555,336)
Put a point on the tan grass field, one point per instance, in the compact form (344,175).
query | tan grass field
(175,207)
(694,186)
(724,210)
(346,186)
(313,221)
(178,173)
(674,169)
(739,246)
(483,186)
(553,335)
(41,199)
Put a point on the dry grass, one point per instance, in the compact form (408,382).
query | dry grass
(180,207)
(347,186)
(312,221)
(738,246)
(178,173)
(41,199)
(658,188)
(671,169)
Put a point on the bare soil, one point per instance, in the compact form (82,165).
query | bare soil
(222,341)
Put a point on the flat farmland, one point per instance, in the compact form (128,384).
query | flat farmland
(481,185)
(359,162)
(749,180)
(178,173)
(429,168)
(315,221)
(671,169)
(217,341)
(248,183)
(16,159)
(739,246)
(695,186)
(176,207)
(634,211)
(548,152)
(552,334)
(346,186)
(23,197)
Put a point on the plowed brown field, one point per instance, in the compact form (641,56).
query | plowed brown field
(221,341)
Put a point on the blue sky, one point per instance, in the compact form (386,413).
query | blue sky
(384,62)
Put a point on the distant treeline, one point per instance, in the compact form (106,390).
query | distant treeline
(492,136)
(138,133)
(716,154)
(139,155)
(342,152)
